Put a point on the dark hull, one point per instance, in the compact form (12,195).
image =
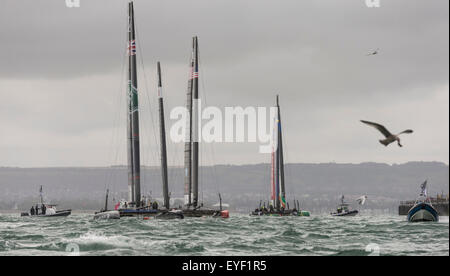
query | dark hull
(422,212)
(281,213)
(345,214)
(139,212)
(192,213)
(197,213)
(170,215)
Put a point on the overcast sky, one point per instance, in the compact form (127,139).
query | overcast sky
(62,90)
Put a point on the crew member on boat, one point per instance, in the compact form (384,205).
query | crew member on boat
(32,211)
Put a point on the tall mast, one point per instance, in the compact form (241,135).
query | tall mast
(277,169)
(41,196)
(162,130)
(195,114)
(282,193)
(134,166)
(187,144)
(272,177)
(106,200)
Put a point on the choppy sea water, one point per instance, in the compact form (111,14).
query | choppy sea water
(79,234)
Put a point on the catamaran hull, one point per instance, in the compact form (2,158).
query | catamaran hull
(422,212)
(282,214)
(198,213)
(346,214)
(107,215)
(170,215)
(139,212)
(150,213)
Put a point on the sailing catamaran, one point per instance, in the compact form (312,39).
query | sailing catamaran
(136,205)
(278,205)
(191,150)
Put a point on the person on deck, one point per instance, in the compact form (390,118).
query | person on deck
(44,209)
(155,205)
(32,211)
(37,210)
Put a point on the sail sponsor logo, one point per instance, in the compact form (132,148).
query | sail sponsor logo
(132,48)
(73,3)
(231,125)
(132,98)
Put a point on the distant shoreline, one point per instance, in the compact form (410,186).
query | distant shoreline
(228,165)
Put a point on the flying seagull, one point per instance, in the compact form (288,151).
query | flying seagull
(361,200)
(389,136)
(374,52)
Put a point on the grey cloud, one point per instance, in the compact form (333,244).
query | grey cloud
(60,71)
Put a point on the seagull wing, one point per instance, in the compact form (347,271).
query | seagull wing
(406,131)
(381,128)
(361,200)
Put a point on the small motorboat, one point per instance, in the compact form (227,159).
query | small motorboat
(344,210)
(423,210)
(44,210)
(50,211)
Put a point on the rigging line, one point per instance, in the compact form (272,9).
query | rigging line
(109,173)
(120,96)
(116,128)
(146,89)
(287,167)
(212,169)
(121,116)
(267,181)
(173,173)
(177,172)
(213,163)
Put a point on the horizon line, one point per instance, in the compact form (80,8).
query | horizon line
(216,165)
